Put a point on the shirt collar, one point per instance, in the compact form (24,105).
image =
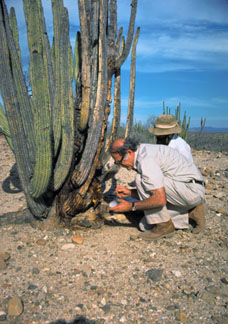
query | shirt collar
(135,159)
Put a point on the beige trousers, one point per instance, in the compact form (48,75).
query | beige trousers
(180,197)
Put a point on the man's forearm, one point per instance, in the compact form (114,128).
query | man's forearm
(157,199)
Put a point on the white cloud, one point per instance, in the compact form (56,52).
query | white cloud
(214,11)
(183,46)
(183,52)
(182,35)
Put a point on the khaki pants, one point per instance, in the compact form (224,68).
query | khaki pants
(180,197)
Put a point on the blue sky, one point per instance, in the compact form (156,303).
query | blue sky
(182,56)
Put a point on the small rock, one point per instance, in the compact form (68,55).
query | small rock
(183,249)
(68,246)
(32,287)
(41,242)
(123,319)
(77,239)
(15,306)
(77,271)
(176,273)
(103,301)
(221,211)
(224,281)
(182,317)
(155,274)
(45,289)
(35,271)
(106,308)
(208,172)
(219,194)
(172,307)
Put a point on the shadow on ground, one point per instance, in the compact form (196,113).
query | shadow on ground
(77,320)
(12,181)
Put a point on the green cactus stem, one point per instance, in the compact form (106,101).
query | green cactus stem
(13,26)
(39,76)
(67,108)
(4,127)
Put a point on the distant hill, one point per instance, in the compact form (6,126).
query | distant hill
(209,129)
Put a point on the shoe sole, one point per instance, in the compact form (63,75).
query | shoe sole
(157,238)
(197,230)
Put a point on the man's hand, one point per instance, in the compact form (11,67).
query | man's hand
(122,191)
(123,206)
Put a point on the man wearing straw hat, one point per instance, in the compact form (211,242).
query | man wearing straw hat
(166,129)
(169,188)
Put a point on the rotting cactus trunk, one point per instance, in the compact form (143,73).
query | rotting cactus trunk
(60,142)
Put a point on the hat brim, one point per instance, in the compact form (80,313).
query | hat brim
(165,131)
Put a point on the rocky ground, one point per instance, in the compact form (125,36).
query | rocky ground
(108,275)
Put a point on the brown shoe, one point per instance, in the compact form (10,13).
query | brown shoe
(197,214)
(160,230)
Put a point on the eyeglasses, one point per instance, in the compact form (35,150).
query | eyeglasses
(120,161)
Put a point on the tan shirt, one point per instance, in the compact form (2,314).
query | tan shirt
(154,162)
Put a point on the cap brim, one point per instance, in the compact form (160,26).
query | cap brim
(165,131)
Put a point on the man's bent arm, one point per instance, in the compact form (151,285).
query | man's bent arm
(157,199)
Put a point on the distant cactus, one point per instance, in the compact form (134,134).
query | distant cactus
(57,141)
(184,124)
(166,110)
(202,124)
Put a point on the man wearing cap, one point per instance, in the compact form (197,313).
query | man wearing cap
(166,129)
(169,188)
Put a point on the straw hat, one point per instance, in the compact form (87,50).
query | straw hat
(165,125)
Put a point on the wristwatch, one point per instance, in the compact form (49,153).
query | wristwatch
(133,208)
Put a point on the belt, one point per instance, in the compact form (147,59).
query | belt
(202,182)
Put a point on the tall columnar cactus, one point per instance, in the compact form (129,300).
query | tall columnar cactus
(107,56)
(129,126)
(58,141)
(184,124)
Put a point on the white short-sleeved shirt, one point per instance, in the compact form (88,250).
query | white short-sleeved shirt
(181,146)
(154,162)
